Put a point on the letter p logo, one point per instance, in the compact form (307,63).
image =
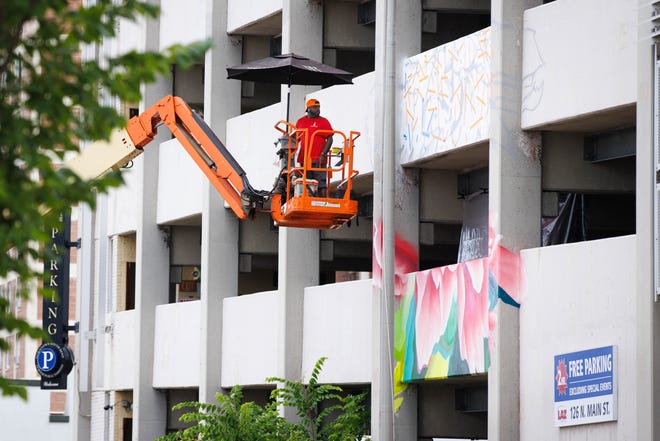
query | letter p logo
(47,359)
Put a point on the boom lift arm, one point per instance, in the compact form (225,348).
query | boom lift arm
(221,169)
(196,137)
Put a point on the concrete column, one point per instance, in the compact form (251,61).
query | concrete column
(298,268)
(302,34)
(152,271)
(84,312)
(647,384)
(219,225)
(396,211)
(514,203)
(298,259)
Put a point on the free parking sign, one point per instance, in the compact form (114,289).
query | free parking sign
(585,387)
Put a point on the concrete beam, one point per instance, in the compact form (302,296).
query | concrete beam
(476,6)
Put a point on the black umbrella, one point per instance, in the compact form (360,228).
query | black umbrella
(290,69)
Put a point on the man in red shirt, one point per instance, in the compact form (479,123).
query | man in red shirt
(320,144)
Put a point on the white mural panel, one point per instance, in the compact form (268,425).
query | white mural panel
(445,97)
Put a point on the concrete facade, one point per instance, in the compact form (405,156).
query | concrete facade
(461,102)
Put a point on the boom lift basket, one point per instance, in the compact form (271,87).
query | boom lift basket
(307,208)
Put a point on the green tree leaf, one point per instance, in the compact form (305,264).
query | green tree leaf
(325,412)
(49,100)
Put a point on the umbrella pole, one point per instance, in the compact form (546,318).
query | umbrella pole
(288,101)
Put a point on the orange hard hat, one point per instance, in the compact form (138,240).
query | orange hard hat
(311,103)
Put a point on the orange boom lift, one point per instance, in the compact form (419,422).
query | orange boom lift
(293,201)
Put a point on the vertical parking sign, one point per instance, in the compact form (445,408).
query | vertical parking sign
(54,359)
(585,387)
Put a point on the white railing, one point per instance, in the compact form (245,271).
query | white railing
(578,58)
(182,22)
(241,13)
(177,354)
(249,339)
(337,325)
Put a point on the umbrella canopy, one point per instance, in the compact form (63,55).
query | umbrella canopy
(290,69)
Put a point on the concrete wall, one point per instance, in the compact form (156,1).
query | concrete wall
(337,325)
(341,28)
(130,34)
(177,354)
(438,198)
(121,352)
(437,398)
(577,296)
(123,202)
(244,12)
(352,107)
(256,236)
(249,339)
(186,246)
(251,141)
(578,57)
(180,183)
(255,47)
(182,22)
(564,167)
(28,420)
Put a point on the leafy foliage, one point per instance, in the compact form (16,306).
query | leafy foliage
(325,413)
(49,100)
(231,420)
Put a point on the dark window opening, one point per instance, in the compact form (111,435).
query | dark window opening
(581,216)
(127,429)
(130,285)
(439,28)
(355,61)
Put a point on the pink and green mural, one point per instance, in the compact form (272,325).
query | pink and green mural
(444,317)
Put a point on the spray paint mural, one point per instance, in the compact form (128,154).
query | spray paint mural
(444,317)
(446,97)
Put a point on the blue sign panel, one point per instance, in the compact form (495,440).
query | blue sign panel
(53,363)
(585,386)
(46,359)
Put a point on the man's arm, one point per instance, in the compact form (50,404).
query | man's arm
(326,149)
(328,141)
